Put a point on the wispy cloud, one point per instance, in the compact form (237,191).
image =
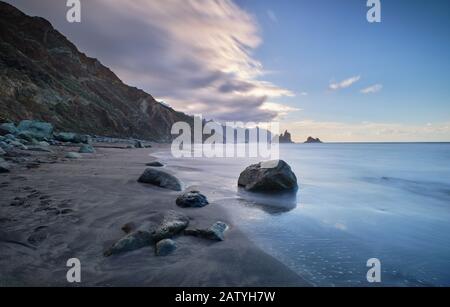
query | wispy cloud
(272,16)
(372,89)
(196,55)
(281,109)
(344,83)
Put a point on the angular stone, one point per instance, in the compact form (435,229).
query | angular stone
(216,232)
(130,242)
(193,199)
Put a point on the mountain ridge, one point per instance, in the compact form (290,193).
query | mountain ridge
(43,76)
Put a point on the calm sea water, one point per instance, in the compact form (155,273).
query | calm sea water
(356,202)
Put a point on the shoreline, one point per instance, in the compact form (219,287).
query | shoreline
(88,201)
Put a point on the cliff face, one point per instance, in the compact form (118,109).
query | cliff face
(43,76)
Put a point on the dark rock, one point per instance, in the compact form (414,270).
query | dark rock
(4,168)
(271,176)
(160,178)
(286,138)
(155,164)
(39,149)
(87,149)
(73,155)
(193,199)
(130,242)
(129,227)
(70,137)
(27,136)
(138,144)
(312,140)
(8,128)
(165,247)
(18,145)
(173,223)
(38,130)
(5,146)
(215,233)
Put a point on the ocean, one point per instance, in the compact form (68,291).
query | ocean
(356,202)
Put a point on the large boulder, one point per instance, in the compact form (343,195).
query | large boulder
(271,176)
(160,178)
(35,129)
(193,199)
(130,242)
(172,223)
(8,128)
(215,233)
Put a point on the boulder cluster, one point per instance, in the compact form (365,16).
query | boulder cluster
(169,225)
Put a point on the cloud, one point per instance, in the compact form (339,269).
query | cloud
(272,16)
(345,83)
(281,109)
(330,131)
(372,89)
(196,55)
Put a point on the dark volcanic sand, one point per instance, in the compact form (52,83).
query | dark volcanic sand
(76,208)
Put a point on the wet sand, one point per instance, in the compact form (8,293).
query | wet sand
(76,208)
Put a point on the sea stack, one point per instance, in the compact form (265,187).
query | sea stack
(286,138)
(312,140)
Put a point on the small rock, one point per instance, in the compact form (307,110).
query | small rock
(173,223)
(8,128)
(129,227)
(43,144)
(160,178)
(155,164)
(216,232)
(87,149)
(130,242)
(193,199)
(18,145)
(4,168)
(5,146)
(39,149)
(2,152)
(10,137)
(165,247)
(70,137)
(73,155)
(138,144)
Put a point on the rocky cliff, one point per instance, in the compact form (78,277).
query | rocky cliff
(44,77)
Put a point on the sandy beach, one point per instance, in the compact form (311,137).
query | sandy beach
(76,209)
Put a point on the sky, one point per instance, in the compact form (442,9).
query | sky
(318,67)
